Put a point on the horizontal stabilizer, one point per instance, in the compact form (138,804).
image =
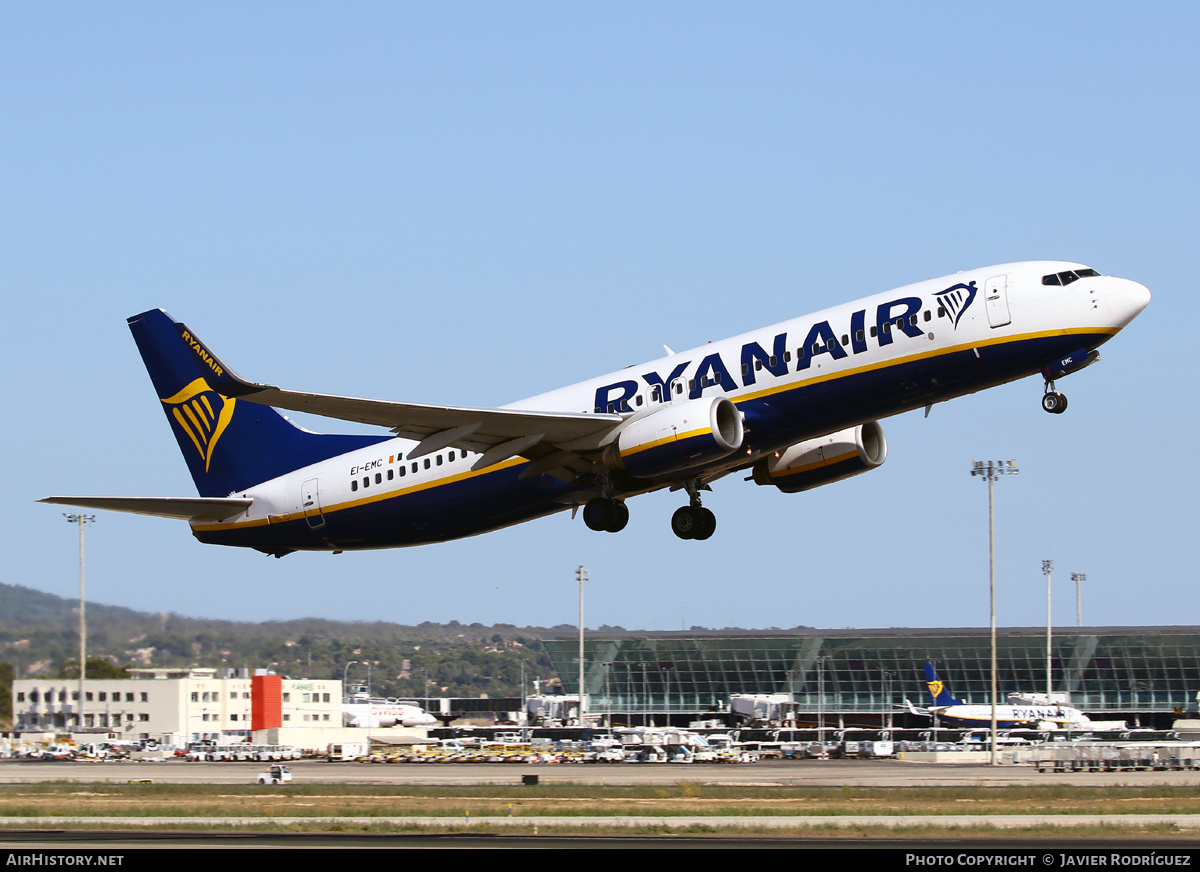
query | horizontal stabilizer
(182,508)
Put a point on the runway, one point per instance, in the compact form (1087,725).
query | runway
(811,773)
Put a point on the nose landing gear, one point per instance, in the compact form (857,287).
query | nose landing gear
(1052,401)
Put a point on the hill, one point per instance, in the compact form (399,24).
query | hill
(39,636)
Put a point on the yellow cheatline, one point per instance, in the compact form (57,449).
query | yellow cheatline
(912,358)
(674,437)
(374,498)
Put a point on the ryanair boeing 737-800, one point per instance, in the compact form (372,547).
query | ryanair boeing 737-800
(797,405)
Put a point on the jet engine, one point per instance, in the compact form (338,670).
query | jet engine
(677,437)
(831,458)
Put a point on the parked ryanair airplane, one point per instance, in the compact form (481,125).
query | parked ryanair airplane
(796,405)
(1023,710)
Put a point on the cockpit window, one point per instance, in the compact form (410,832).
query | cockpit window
(1065,278)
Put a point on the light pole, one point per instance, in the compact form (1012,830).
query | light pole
(81,520)
(581,575)
(990,473)
(1048,571)
(1078,578)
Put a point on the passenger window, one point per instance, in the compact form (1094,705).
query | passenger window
(366,481)
(427,463)
(354,484)
(415,467)
(450,458)
(859,335)
(439,460)
(403,470)
(846,338)
(391,474)
(379,478)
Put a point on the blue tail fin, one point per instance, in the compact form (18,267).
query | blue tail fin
(937,690)
(229,444)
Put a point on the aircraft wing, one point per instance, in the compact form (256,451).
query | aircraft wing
(496,434)
(550,439)
(183,508)
(485,427)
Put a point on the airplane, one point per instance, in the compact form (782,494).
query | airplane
(360,709)
(796,405)
(1031,710)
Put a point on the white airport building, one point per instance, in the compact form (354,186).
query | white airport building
(178,706)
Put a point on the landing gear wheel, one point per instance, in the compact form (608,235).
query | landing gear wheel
(1054,402)
(605,515)
(596,514)
(620,517)
(693,522)
(685,522)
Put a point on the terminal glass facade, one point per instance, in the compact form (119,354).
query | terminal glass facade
(1109,669)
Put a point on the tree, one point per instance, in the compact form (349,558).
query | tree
(6,682)
(95,669)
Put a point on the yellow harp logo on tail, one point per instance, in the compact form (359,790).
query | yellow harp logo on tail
(203,414)
(935,688)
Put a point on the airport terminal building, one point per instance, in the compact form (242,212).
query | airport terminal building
(1144,675)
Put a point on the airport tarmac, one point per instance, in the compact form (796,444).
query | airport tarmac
(814,773)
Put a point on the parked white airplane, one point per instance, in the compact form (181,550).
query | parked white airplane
(363,710)
(796,405)
(1023,710)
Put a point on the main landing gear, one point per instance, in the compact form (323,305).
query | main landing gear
(605,515)
(610,515)
(1052,401)
(693,521)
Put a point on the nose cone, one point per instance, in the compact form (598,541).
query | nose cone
(1126,300)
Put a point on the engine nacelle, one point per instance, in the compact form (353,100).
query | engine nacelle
(831,458)
(677,437)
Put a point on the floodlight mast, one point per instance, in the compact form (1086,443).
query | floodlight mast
(581,575)
(81,520)
(1048,571)
(990,474)
(1078,578)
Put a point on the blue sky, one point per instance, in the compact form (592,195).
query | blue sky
(472,203)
